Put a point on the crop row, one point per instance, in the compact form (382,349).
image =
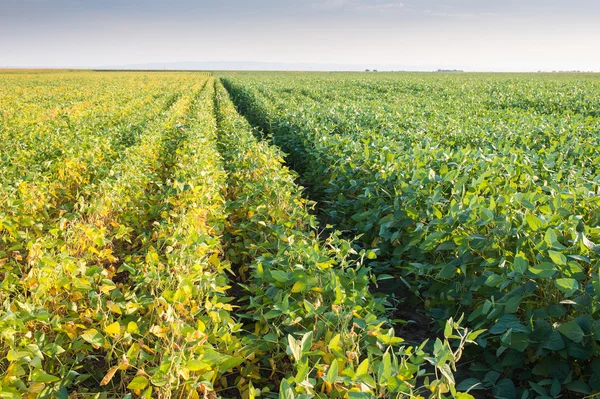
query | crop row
(313,322)
(480,195)
(103,302)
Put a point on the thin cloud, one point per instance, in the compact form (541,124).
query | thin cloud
(330,4)
(359,5)
(380,6)
(452,12)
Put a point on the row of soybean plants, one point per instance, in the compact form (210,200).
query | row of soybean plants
(48,159)
(480,193)
(114,298)
(311,326)
(125,288)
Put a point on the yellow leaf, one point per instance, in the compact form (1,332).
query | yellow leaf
(105,289)
(76,296)
(148,349)
(113,307)
(132,328)
(298,286)
(214,259)
(35,389)
(109,376)
(124,363)
(113,329)
(158,331)
(334,343)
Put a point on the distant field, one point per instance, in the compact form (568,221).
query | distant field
(154,240)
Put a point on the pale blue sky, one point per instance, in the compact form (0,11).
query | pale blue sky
(425,34)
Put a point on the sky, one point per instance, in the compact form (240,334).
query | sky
(474,35)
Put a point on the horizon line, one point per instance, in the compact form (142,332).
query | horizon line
(357,70)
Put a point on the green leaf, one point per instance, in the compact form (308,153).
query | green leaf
(544,270)
(507,322)
(9,393)
(62,393)
(534,222)
(588,243)
(572,331)
(17,355)
(280,276)
(474,334)
(302,373)
(230,363)
(519,341)
(371,254)
(557,311)
(285,390)
(555,388)
(447,372)
(139,382)
(385,371)
(159,379)
(448,329)
(295,348)
(521,264)
(512,304)
(94,337)
(196,364)
(470,384)
(332,373)
(40,375)
(567,286)
(306,342)
(554,342)
(213,357)
(494,280)
(491,377)
(359,395)
(557,258)
(486,215)
(552,239)
(539,389)
(504,389)
(448,271)
(579,387)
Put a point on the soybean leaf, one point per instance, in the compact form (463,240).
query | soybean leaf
(139,382)
(567,286)
(572,331)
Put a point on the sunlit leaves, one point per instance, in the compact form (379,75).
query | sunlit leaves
(473,193)
(567,286)
(139,382)
(134,208)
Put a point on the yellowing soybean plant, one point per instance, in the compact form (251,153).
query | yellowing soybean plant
(154,240)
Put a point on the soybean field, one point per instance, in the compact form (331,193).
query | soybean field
(299,235)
